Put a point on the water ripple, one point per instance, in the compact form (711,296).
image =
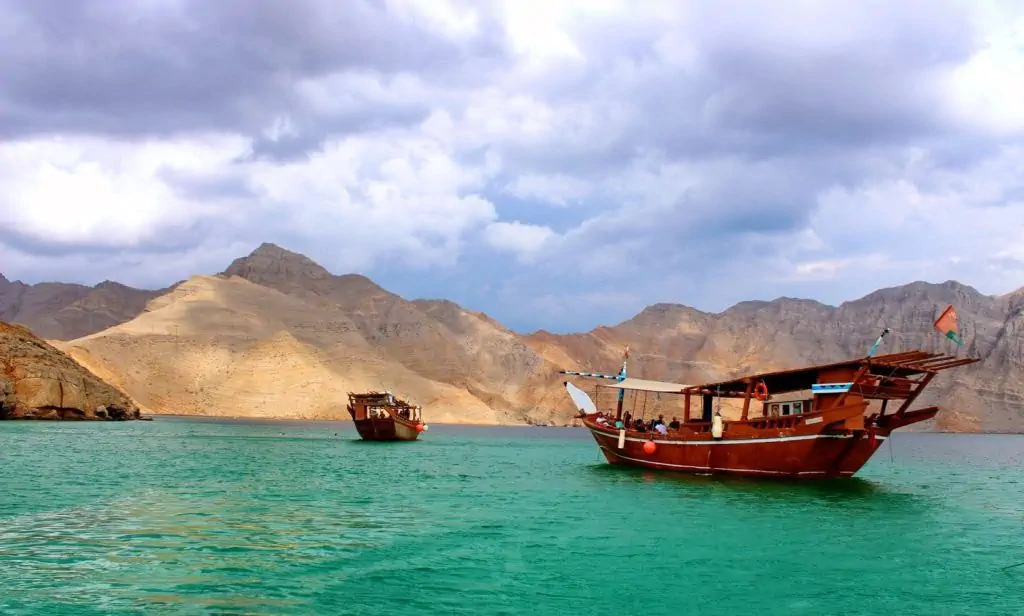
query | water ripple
(184,517)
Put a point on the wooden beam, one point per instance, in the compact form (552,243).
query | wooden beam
(917,392)
(898,357)
(714,392)
(856,378)
(931,361)
(953,363)
(746,399)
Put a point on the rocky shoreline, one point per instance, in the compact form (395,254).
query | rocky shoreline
(40,382)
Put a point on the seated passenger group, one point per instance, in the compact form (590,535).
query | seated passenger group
(654,425)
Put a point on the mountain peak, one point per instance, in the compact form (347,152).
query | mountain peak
(3,278)
(270,263)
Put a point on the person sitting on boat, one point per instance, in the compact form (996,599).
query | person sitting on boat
(674,425)
(639,425)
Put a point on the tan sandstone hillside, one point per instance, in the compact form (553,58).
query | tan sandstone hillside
(221,345)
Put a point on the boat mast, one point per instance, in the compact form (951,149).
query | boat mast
(622,392)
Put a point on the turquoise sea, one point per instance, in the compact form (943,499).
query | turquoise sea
(193,516)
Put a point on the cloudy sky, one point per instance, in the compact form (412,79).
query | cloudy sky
(556,164)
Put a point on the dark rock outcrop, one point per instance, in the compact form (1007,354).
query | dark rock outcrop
(38,381)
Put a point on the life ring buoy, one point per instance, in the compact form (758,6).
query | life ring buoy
(761,391)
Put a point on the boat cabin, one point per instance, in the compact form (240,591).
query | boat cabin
(778,399)
(376,405)
(790,403)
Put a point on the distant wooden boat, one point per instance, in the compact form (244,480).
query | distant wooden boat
(381,416)
(814,422)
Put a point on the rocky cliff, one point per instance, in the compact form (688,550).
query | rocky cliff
(60,311)
(37,381)
(676,343)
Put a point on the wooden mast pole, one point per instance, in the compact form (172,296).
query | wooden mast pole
(746,399)
(622,393)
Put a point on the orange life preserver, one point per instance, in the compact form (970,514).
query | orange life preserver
(761,391)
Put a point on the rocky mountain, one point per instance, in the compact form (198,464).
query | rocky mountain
(276,334)
(60,311)
(676,343)
(37,381)
(437,340)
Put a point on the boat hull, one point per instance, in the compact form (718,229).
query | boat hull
(387,429)
(803,456)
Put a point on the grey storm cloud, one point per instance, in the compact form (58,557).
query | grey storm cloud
(170,242)
(764,97)
(109,68)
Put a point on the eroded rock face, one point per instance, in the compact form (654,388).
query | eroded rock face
(37,381)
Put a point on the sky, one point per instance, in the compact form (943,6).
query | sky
(556,164)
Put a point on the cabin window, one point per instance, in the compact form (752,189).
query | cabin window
(798,407)
(785,409)
(775,409)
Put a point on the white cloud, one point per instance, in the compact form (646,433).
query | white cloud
(524,240)
(988,89)
(399,197)
(92,191)
(555,189)
(390,196)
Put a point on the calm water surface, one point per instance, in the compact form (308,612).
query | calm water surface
(194,516)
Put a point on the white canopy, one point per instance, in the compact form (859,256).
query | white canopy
(643,385)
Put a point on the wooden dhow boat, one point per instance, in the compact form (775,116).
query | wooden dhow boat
(814,422)
(381,416)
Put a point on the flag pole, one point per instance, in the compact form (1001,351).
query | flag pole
(878,341)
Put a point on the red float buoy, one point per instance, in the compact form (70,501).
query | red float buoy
(419,427)
(649,447)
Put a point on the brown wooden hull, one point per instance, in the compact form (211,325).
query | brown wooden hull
(386,429)
(805,457)
(813,446)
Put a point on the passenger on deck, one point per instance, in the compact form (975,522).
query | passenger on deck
(639,425)
(674,425)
